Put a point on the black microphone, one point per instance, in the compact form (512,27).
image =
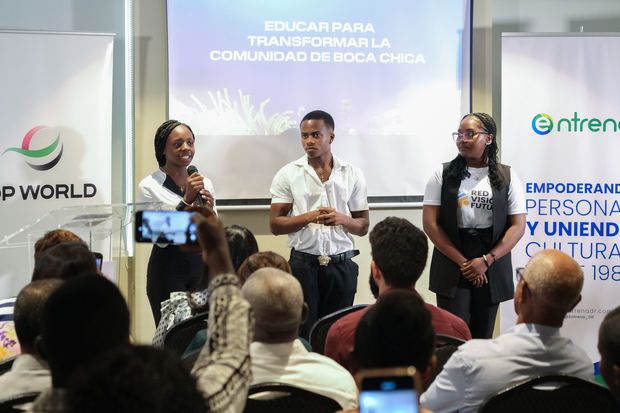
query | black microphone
(190,170)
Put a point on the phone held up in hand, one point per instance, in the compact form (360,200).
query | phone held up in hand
(165,227)
(386,390)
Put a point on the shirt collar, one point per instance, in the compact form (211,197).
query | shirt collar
(303,161)
(531,328)
(164,180)
(27,362)
(279,349)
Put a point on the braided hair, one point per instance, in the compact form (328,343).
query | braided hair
(161,136)
(457,170)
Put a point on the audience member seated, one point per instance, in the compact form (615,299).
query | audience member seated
(548,288)
(135,380)
(222,369)
(83,318)
(399,250)
(609,347)
(277,355)
(250,264)
(396,332)
(241,244)
(9,344)
(54,237)
(260,260)
(183,304)
(29,372)
(64,261)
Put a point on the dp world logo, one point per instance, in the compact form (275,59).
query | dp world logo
(542,124)
(40,159)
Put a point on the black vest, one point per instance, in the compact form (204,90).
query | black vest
(444,273)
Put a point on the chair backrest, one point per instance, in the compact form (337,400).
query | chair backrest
(442,354)
(445,345)
(190,358)
(445,339)
(5,365)
(11,404)
(287,398)
(318,334)
(551,393)
(180,335)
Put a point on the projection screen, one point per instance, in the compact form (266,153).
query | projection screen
(394,75)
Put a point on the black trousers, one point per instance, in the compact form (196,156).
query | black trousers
(473,304)
(170,270)
(326,288)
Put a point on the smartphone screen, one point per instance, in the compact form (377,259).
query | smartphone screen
(388,395)
(165,227)
(98,259)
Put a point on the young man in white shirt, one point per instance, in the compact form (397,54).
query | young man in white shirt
(320,201)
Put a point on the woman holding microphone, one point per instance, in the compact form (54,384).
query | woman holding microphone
(474,213)
(178,186)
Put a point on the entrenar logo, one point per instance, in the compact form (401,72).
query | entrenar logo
(542,124)
(46,158)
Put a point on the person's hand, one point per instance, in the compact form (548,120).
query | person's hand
(207,197)
(331,217)
(194,186)
(212,240)
(475,271)
(312,217)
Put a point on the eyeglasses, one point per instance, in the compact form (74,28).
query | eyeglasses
(466,136)
(519,276)
(519,273)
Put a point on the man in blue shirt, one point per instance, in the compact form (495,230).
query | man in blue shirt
(547,289)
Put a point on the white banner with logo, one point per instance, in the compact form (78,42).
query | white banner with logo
(55,146)
(561,132)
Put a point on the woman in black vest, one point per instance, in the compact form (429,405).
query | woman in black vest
(474,213)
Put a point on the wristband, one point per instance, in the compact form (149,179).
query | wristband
(181,205)
(484,257)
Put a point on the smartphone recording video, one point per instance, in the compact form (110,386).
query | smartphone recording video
(389,390)
(165,227)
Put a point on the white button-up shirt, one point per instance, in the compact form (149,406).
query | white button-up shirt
(291,363)
(298,184)
(480,368)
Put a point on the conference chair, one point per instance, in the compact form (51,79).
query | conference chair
(12,404)
(188,360)
(551,393)
(445,345)
(180,335)
(318,334)
(5,365)
(445,339)
(288,398)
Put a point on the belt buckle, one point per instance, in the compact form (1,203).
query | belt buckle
(324,260)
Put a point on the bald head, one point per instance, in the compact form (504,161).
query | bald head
(555,281)
(277,302)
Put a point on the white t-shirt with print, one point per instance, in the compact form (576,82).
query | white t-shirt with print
(475,197)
